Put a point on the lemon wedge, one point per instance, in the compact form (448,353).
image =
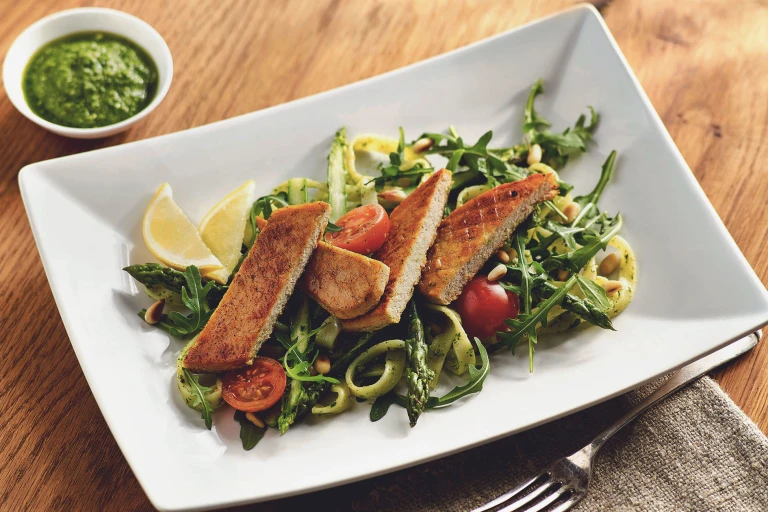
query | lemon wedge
(222,229)
(172,237)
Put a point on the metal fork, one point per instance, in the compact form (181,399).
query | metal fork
(565,482)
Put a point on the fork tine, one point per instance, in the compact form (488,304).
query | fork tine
(538,507)
(511,494)
(529,497)
(568,505)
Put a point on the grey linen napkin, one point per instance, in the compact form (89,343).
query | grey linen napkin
(696,451)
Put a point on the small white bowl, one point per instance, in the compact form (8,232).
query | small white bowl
(85,19)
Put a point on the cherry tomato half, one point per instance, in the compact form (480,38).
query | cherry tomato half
(255,387)
(363,230)
(483,307)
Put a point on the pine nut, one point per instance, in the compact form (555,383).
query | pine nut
(572,211)
(154,312)
(322,365)
(562,275)
(435,329)
(612,287)
(512,254)
(503,256)
(609,264)
(497,273)
(396,195)
(422,145)
(534,154)
(254,419)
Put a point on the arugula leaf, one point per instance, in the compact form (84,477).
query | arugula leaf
(511,287)
(341,364)
(477,157)
(159,277)
(556,147)
(195,297)
(393,172)
(539,246)
(300,369)
(525,281)
(525,324)
(198,393)
(525,277)
(588,203)
(250,434)
(453,163)
(332,228)
(565,232)
(265,205)
(595,240)
(533,122)
(593,292)
(297,363)
(382,404)
(475,384)
(582,308)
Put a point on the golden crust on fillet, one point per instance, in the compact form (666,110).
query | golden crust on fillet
(475,230)
(259,291)
(413,227)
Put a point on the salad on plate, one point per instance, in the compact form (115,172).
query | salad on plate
(391,282)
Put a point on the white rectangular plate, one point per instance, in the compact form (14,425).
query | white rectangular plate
(696,292)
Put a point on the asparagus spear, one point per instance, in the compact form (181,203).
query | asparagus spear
(418,374)
(582,308)
(296,396)
(157,276)
(337,175)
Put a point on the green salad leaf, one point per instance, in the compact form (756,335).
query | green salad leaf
(477,376)
(157,276)
(596,238)
(382,404)
(593,292)
(567,233)
(198,393)
(297,363)
(332,228)
(478,158)
(584,309)
(195,297)
(526,323)
(393,172)
(557,148)
(588,203)
(250,434)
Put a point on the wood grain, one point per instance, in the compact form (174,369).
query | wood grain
(703,64)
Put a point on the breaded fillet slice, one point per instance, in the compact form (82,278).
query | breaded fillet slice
(344,283)
(259,290)
(413,228)
(475,230)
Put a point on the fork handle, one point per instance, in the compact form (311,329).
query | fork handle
(679,379)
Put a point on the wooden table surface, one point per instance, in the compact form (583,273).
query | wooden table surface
(702,62)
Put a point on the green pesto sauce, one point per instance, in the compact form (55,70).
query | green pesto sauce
(89,79)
